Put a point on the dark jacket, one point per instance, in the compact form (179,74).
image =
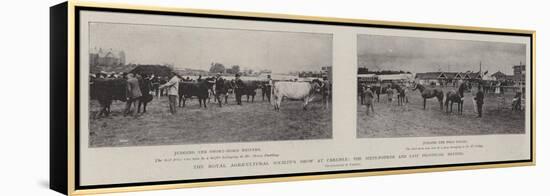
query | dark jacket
(325,87)
(369,95)
(145,85)
(239,84)
(220,85)
(479,97)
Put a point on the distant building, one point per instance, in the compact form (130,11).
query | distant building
(519,73)
(473,76)
(108,57)
(395,78)
(447,78)
(429,78)
(499,76)
(507,79)
(362,70)
(325,71)
(367,78)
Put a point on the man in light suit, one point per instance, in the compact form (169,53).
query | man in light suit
(172,87)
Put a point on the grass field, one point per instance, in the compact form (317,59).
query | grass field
(413,121)
(193,125)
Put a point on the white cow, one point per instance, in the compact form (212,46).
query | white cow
(294,90)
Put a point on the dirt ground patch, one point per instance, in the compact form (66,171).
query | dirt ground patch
(413,121)
(193,125)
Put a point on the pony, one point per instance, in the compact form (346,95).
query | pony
(455,96)
(428,93)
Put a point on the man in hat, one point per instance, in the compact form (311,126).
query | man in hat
(155,82)
(369,96)
(325,90)
(266,89)
(134,93)
(516,102)
(219,88)
(479,101)
(239,85)
(172,87)
(362,89)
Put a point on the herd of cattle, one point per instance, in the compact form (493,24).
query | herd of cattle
(107,90)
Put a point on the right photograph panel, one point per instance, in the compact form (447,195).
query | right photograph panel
(427,87)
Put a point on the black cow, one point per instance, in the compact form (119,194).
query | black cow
(222,89)
(145,86)
(105,90)
(197,89)
(247,88)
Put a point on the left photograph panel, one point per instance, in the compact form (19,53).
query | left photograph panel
(171,85)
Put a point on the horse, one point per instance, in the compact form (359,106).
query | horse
(428,93)
(455,96)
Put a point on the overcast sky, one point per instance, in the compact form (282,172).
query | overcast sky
(427,55)
(187,47)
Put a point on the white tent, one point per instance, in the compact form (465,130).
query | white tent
(396,77)
(366,75)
